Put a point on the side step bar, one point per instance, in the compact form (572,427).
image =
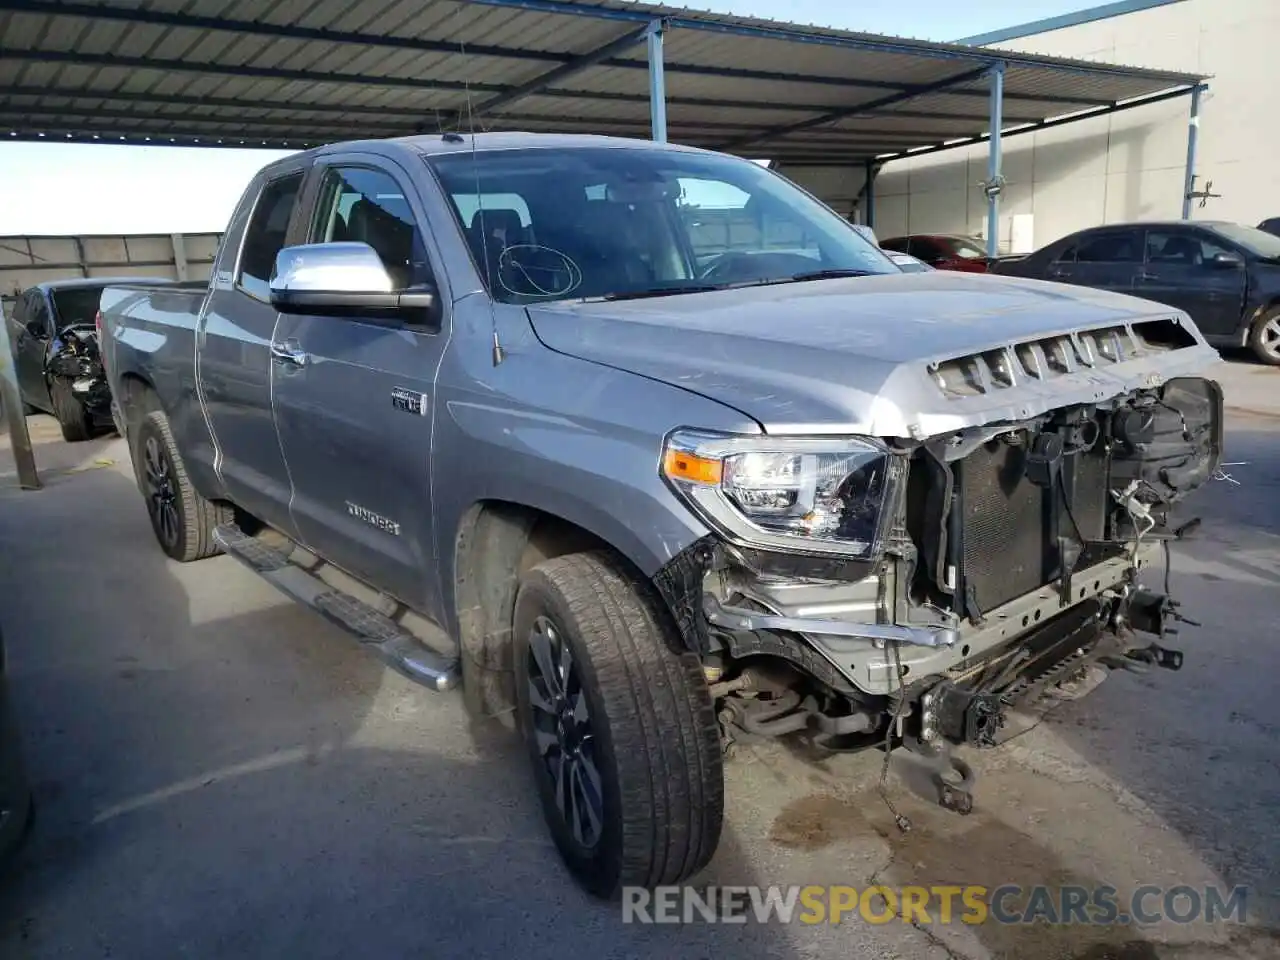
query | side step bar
(401,650)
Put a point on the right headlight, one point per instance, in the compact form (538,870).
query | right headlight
(812,495)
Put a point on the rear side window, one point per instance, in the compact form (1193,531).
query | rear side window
(266,233)
(1110,248)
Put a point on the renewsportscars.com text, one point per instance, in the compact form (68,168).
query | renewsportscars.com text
(973,904)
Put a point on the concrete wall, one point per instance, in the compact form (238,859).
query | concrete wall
(1128,166)
(26,261)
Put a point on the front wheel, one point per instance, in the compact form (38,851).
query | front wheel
(620,727)
(182,520)
(71,414)
(1264,337)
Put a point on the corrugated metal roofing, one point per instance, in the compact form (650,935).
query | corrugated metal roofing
(301,72)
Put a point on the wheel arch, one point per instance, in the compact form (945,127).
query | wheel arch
(497,541)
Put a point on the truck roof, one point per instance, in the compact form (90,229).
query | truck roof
(444,143)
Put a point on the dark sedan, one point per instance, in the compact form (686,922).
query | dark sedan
(942,251)
(55,351)
(1226,275)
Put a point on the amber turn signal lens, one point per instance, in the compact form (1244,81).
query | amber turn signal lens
(679,465)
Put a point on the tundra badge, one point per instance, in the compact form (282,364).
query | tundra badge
(409,401)
(371,518)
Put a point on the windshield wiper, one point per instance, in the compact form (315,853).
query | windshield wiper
(829,274)
(667,291)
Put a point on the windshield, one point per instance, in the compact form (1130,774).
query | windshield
(1258,242)
(616,222)
(963,248)
(75,305)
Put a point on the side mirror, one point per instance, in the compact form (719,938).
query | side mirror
(37,329)
(1225,260)
(345,280)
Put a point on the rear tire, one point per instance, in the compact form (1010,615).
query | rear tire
(72,417)
(1264,337)
(182,520)
(621,721)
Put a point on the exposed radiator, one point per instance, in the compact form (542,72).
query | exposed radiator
(1008,547)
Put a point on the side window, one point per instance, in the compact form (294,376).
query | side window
(1181,248)
(38,311)
(265,234)
(1066,255)
(364,205)
(1109,248)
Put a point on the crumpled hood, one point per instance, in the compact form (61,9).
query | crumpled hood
(855,355)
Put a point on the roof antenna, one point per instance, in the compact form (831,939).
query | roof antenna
(498,353)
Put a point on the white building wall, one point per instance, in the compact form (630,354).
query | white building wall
(1128,166)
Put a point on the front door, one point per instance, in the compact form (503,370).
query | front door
(354,398)
(30,329)
(1180,271)
(235,354)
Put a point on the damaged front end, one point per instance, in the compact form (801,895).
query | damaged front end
(915,589)
(74,358)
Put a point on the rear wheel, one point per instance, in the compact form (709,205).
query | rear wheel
(72,417)
(1264,338)
(620,727)
(182,520)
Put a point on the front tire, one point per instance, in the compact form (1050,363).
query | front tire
(73,418)
(620,727)
(1264,337)
(182,520)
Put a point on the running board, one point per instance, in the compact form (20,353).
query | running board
(399,648)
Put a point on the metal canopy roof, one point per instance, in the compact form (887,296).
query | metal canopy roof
(296,73)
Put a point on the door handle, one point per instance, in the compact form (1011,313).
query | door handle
(1148,276)
(289,352)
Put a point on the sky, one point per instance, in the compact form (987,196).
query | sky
(98,188)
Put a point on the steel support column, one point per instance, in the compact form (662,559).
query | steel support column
(994,178)
(870,188)
(1193,136)
(657,82)
(11,401)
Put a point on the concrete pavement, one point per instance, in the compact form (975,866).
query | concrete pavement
(222,775)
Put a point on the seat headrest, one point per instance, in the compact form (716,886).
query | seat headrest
(504,224)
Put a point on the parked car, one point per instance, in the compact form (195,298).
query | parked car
(1271,226)
(55,348)
(943,251)
(660,495)
(15,791)
(1225,275)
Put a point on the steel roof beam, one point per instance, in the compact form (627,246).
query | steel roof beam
(1040,124)
(359,79)
(570,63)
(832,116)
(293,106)
(562,72)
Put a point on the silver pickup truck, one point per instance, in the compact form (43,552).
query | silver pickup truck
(536,415)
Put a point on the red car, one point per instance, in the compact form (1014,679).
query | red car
(943,251)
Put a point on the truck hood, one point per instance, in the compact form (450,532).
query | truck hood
(909,355)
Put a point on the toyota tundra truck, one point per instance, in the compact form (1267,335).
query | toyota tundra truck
(650,452)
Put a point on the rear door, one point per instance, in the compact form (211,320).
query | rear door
(355,407)
(1180,271)
(1106,259)
(234,352)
